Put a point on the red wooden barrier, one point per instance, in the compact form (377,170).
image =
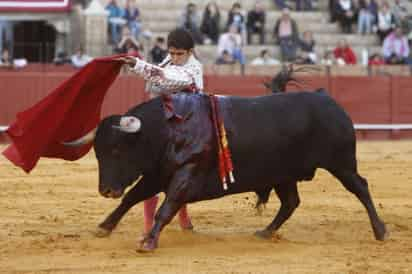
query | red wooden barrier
(366,99)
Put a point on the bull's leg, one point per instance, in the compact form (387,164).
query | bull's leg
(354,183)
(175,199)
(289,201)
(137,194)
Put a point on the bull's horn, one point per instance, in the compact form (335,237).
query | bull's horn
(129,124)
(88,138)
(4,128)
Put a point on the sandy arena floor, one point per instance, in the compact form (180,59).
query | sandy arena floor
(48,219)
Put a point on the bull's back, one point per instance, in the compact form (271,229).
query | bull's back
(286,133)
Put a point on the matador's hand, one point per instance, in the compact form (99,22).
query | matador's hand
(128,60)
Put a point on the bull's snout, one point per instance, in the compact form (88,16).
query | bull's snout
(110,193)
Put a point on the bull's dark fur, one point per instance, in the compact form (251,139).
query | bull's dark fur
(275,141)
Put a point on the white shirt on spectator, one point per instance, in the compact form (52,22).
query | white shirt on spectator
(168,78)
(384,20)
(395,45)
(259,61)
(229,42)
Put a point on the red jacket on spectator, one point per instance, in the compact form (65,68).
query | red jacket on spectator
(346,54)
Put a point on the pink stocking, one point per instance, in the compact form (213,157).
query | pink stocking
(149,213)
(184,218)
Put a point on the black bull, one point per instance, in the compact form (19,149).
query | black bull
(275,141)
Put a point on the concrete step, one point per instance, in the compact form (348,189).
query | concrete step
(323,39)
(174,14)
(165,26)
(208,53)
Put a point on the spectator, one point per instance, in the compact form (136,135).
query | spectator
(307,47)
(376,60)
(210,26)
(264,59)
(287,36)
(399,11)
(6,32)
(344,54)
(159,52)
(345,11)
(332,10)
(281,4)
(256,22)
(132,17)
(366,16)
(395,47)
(303,5)
(328,58)
(80,59)
(190,21)
(385,21)
(128,44)
(116,21)
(61,58)
(225,59)
(236,17)
(231,41)
(6,61)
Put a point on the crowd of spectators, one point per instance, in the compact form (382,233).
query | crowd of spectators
(388,20)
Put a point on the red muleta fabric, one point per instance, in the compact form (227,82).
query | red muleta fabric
(68,112)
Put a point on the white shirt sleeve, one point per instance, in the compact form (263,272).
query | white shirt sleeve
(169,79)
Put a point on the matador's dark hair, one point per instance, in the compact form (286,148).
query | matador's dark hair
(180,39)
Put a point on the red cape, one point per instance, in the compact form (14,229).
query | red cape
(67,113)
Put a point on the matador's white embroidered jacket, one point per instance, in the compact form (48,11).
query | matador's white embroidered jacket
(168,78)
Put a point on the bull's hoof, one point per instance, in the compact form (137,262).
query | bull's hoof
(147,245)
(102,232)
(382,235)
(264,234)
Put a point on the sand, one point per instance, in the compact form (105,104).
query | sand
(48,219)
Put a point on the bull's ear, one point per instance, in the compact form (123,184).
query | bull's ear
(129,124)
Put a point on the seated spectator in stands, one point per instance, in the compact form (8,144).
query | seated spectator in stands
(395,47)
(344,54)
(80,59)
(127,42)
(236,18)
(307,49)
(132,17)
(332,10)
(399,11)
(159,52)
(264,59)
(303,5)
(116,21)
(281,4)
(345,12)
(231,41)
(328,58)
(210,26)
(190,21)
(61,58)
(6,60)
(376,60)
(6,35)
(225,59)
(256,19)
(366,15)
(287,36)
(385,21)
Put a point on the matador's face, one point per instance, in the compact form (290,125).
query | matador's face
(179,56)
